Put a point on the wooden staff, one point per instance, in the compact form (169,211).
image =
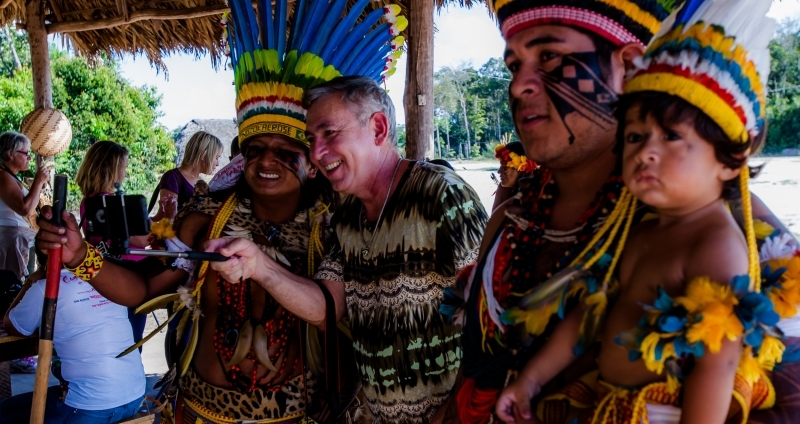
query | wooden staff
(49,308)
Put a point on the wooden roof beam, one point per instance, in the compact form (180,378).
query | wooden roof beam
(135,16)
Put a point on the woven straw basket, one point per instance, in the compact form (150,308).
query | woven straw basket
(49,131)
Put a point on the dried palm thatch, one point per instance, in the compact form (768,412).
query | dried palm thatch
(152,28)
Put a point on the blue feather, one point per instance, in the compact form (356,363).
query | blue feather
(341,29)
(281,7)
(356,35)
(377,76)
(231,45)
(237,30)
(378,62)
(326,27)
(366,53)
(355,51)
(374,68)
(311,26)
(297,22)
(247,22)
(687,11)
(267,30)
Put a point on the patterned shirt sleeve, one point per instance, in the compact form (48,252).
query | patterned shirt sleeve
(461,225)
(332,266)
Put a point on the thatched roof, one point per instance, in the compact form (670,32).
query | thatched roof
(223,129)
(153,28)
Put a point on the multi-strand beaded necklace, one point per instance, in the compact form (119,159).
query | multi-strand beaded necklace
(235,308)
(523,239)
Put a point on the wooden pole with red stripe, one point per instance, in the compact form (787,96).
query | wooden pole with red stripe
(46,329)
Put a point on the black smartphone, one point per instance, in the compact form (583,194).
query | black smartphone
(116,217)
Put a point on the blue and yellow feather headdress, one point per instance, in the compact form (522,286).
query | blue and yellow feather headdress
(716,57)
(279,50)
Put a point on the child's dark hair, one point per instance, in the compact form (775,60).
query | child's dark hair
(668,110)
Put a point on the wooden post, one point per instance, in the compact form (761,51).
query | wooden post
(42,98)
(418,97)
(40,55)
(42,83)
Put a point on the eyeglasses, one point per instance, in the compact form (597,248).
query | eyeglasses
(26,153)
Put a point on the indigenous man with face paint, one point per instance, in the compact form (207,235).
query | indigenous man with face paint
(567,59)
(244,358)
(403,230)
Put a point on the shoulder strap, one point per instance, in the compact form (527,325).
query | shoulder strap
(153,198)
(331,350)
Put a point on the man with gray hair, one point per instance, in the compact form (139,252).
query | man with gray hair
(404,230)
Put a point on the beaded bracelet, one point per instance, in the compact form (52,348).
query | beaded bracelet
(90,266)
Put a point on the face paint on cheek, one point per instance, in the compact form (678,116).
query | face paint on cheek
(578,86)
(294,162)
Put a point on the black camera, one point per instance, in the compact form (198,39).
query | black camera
(115,218)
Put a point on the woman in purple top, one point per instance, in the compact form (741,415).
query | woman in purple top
(200,157)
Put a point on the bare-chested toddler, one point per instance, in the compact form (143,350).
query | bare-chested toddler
(681,164)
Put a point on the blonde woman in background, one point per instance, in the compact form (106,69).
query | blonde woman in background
(177,186)
(104,166)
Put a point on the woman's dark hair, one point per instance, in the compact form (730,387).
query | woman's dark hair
(516,148)
(668,110)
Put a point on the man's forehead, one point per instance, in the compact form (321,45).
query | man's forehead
(274,141)
(538,35)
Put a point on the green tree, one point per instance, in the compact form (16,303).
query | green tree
(100,105)
(783,102)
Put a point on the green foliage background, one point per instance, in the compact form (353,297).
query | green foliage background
(783,103)
(100,105)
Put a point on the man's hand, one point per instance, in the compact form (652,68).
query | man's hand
(50,236)
(246,259)
(514,403)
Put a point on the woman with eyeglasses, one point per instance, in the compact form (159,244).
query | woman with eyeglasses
(17,203)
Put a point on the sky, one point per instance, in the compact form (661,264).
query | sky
(194,90)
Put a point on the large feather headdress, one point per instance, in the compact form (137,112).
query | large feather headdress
(716,57)
(279,50)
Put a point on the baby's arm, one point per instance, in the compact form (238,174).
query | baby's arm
(514,403)
(708,387)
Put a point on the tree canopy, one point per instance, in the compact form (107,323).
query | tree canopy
(471,111)
(783,103)
(100,105)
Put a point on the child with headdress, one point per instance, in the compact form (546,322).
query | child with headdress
(692,113)
(513,166)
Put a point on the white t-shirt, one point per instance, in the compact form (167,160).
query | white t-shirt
(90,331)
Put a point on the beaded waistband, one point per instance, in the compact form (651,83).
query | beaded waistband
(194,413)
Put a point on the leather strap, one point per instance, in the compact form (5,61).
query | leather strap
(331,347)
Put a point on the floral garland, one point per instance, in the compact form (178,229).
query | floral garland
(513,160)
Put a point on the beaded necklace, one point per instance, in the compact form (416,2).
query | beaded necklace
(524,237)
(235,308)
